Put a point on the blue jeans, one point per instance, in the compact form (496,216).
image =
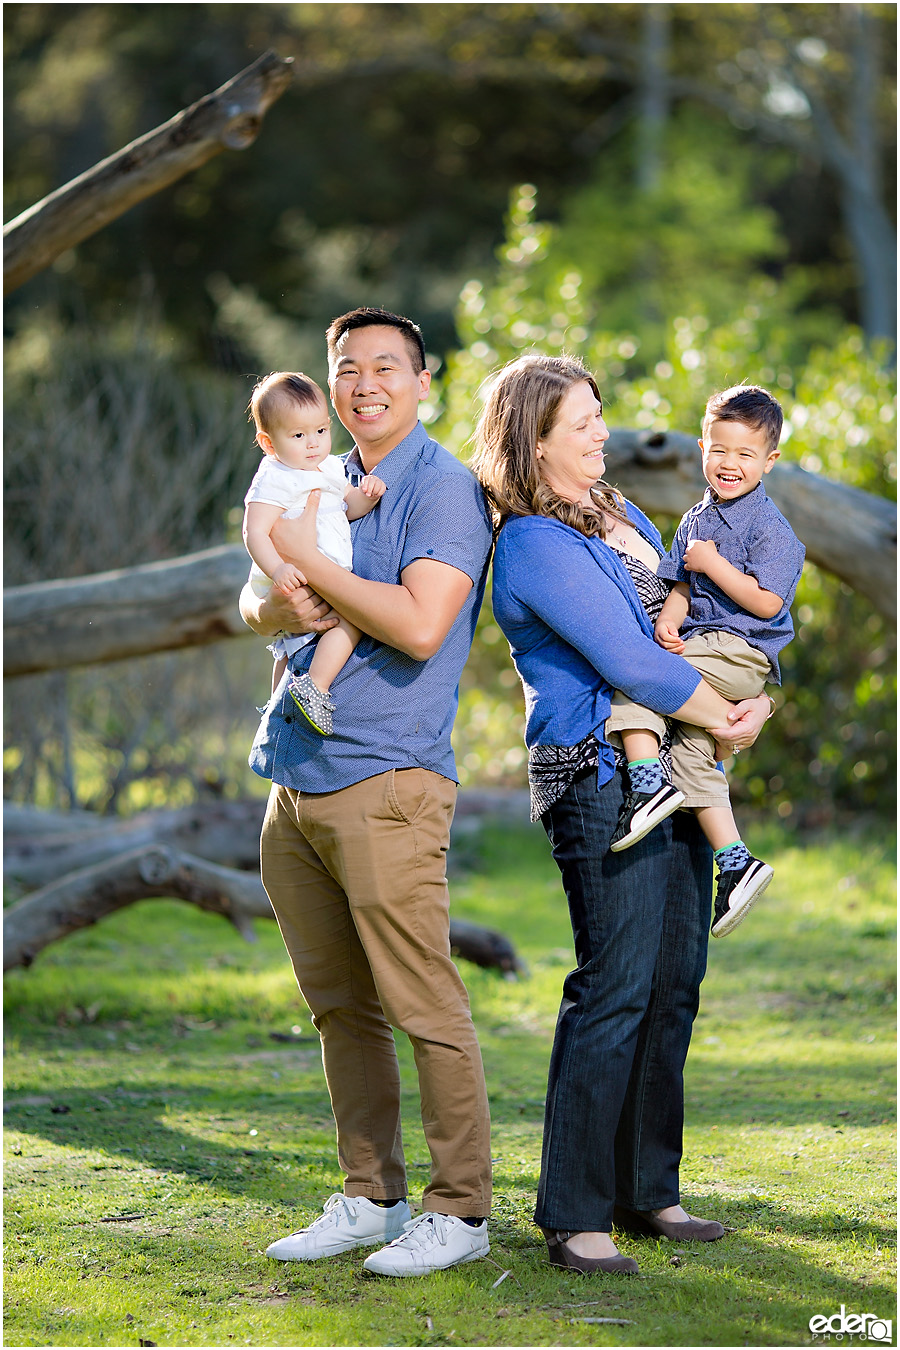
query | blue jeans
(615,1100)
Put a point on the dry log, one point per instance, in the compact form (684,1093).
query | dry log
(89,873)
(42,846)
(193,600)
(79,899)
(223,832)
(110,616)
(230,118)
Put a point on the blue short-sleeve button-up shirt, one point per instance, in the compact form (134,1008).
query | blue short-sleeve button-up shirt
(752,534)
(392,712)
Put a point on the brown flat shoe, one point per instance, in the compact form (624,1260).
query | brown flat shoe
(561,1255)
(690,1230)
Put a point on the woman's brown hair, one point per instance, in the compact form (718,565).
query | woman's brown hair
(522,408)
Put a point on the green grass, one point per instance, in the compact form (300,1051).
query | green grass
(150,1035)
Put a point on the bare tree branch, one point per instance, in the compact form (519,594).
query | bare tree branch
(228,119)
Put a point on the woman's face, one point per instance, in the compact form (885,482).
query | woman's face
(570,456)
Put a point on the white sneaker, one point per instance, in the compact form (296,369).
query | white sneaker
(430,1242)
(349,1221)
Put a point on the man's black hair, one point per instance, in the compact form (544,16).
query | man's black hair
(368,317)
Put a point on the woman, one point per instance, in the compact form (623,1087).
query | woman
(571,558)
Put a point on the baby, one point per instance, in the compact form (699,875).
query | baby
(293,430)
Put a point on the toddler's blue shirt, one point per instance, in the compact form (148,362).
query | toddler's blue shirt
(752,534)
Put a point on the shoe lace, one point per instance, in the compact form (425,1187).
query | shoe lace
(421,1233)
(336,1209)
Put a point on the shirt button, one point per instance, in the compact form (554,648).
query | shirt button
(288,720)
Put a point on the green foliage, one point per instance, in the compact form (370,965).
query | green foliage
(685,245)
(392,155)
(831,747)
(153,1030)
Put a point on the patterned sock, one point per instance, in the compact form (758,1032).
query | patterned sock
(387,1204)
(732,856)
(646,775)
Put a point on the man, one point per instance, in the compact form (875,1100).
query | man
(357,827)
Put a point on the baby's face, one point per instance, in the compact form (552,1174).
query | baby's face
(735,457)
(301,438)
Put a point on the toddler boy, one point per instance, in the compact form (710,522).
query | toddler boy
(735,562)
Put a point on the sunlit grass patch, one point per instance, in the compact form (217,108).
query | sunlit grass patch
(167,1116)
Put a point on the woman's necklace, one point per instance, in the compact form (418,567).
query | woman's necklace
(612,525)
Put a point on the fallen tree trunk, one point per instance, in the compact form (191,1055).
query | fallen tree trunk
(224,832)
(42,846)
(229,118)
(93,869)
(193,600)
(112,616)
(79,899)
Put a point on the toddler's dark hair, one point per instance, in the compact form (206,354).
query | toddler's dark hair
(750,404)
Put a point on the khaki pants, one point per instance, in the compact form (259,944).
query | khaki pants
(357,879)
(736,671)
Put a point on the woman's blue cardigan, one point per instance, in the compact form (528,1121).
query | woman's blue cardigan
(577,631)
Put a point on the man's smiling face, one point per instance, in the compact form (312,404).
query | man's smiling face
(376,389)
(735,457)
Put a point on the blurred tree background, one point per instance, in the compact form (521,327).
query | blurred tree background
(686,195)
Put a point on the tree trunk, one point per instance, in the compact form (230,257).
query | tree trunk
(112,616)
(79,899)
(87,869)
(189,601)
(653,95)
(223,832)
(230,118)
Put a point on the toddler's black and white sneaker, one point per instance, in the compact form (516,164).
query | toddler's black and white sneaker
(641,812)
(736,892)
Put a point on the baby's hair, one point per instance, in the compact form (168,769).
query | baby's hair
(273,394)
(751,405)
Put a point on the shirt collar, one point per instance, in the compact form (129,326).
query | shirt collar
(741,510)
(396,462)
